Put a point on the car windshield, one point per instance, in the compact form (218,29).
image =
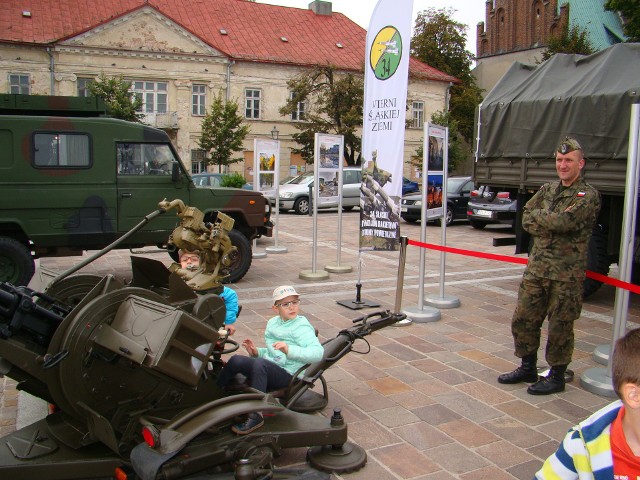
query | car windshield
(302,179)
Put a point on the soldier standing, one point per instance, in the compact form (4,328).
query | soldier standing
(560,218)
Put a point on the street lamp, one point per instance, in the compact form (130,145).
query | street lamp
(275,133)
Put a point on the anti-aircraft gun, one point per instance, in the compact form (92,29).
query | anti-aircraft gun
(131,370)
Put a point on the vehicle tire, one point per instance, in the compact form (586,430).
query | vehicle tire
(477,225)
(16,262)
(410,219)
(348,209)
(301,206)
(241,261)
(449,219)
(597,261)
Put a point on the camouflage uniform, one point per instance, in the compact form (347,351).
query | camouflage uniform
(560,220)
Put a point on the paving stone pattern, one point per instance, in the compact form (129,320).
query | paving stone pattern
(424,402)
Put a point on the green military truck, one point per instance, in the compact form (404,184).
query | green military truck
(523,118)
(72,179)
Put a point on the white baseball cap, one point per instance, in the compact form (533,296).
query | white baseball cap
(283,291)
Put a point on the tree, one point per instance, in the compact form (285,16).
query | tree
(333,104)
(439,41)
(572,40)
(116,93)
(630,13)
(222,132)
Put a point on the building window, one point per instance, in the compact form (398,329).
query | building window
(198,161)
(19,84)
(198,99)
(417,114)
(83,86)
(251,103)
(299,112)
(61,150)
(153,94)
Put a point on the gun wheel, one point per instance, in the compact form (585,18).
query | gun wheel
(345,458)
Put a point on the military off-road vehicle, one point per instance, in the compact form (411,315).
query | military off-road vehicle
(74,180)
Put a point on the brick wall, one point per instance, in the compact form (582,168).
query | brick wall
(514,25)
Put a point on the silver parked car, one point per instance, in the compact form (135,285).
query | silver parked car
(295,194)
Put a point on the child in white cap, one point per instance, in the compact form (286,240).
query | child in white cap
(291,342)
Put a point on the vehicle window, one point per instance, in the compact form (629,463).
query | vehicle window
(144,159)
(468,187)
(302,179)
(61,150)
(351,176)
(454,183)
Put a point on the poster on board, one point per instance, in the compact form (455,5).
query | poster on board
(434,160)
(329,160)
(266,165)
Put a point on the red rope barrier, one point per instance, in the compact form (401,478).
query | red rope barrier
(522,261)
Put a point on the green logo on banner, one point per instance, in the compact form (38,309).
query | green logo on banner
(386,52)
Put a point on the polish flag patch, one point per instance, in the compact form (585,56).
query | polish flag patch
(581,194)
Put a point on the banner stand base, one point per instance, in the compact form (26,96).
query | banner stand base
(446,301)
(423,315)
(597,380)
(601,354)
(335,268)
(276,249)
(358,303)
(311,275)
(259,255)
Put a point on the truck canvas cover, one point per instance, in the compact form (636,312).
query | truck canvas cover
(533,106)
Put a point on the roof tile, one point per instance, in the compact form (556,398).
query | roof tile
(254,30)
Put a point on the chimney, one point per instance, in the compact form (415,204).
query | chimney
(320,7)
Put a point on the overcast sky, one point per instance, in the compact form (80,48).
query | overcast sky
(468,12)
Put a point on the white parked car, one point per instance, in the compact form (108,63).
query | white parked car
(295,194)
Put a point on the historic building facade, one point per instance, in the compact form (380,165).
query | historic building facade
(178,55)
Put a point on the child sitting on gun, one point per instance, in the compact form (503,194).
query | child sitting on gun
(291,343)
(190,261)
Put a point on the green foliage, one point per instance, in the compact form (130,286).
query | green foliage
(222,132)
(457,150)
(116,93)
(571,40)
(234,180)
(333,105)
(630,11)
(440,41)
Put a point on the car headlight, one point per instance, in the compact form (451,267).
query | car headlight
(418,203)
(286,195)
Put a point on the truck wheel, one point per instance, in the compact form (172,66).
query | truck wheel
(16,263)
(477,225)
(597,261)
(242,259)
(301,207)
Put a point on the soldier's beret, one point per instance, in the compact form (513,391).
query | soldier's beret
(568,145)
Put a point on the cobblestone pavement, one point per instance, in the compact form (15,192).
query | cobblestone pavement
(424,403)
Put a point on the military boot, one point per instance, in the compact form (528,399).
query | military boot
(527,372)
(552,383)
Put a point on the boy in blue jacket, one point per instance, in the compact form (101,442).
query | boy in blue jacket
(290,342)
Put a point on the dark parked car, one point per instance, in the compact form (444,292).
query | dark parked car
(409,186)
(458,194)
(213,180)
(488,206)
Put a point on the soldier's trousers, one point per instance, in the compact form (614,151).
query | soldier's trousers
(538,298)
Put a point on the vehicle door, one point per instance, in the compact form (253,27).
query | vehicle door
(144,180)
(351,180)
(461,198)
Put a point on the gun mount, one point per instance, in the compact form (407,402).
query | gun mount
(131,370)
